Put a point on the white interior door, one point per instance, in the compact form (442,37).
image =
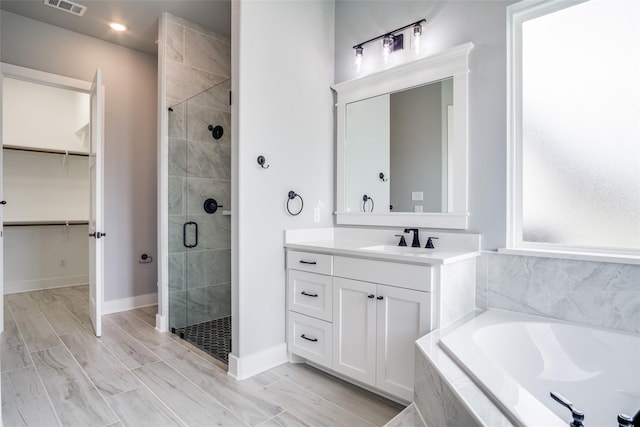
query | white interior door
(96,207)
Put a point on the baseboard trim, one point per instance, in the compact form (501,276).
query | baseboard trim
(162,323)
(241,368)
(124,304)
(18,286)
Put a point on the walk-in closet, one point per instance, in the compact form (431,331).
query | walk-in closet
(45,174)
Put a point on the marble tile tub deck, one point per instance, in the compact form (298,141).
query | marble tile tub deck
(55,372)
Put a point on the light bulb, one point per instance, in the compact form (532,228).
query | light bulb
(417,37)
(358,58)
(417,30)
(387,42)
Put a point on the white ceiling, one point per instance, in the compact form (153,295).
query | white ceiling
(141,16)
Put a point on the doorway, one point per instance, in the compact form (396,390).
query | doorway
(51,140)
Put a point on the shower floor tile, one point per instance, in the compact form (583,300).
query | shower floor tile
(213,336)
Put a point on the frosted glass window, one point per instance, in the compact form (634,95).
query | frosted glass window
(581,126)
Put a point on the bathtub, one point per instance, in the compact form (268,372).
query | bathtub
(517,359)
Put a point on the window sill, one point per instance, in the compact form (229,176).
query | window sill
(582,256)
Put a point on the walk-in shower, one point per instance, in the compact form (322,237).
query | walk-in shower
(200,220)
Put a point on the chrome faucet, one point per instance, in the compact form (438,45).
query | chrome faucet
(416,238)
(577,417)
(627,421)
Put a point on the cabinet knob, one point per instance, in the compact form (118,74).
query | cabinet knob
(370,296)
(380,298)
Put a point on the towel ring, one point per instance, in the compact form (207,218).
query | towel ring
(292,195)
(365,199)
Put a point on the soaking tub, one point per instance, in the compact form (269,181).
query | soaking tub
(517,359)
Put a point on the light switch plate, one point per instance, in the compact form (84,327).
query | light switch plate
(417,195)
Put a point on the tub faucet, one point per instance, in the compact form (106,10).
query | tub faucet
(577,416)
(416,239)
(627,421)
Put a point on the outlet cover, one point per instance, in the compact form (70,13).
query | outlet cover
(417,208)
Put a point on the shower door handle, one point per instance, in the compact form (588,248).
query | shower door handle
(184,234)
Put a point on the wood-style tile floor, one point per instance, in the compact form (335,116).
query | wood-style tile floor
(55,372)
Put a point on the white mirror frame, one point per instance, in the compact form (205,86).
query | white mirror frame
(452,62)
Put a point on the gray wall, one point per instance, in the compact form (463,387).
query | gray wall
(449,24)
(130,137)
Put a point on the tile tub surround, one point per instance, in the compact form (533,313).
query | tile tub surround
(134,375)
(598,294)
(443,393)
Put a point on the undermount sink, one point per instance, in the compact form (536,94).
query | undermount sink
(402,250)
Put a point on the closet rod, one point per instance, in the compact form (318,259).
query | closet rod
(29,223)
(44,150)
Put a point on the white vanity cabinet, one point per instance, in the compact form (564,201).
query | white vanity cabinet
(359,317)
(375,325)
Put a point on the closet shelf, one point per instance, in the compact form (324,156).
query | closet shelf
(44,150)
(37,223)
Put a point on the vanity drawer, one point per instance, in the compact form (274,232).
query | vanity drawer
(309,261)
(410,276)
(310,338)
(310,294)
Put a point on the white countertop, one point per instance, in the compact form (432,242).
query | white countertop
(330,243)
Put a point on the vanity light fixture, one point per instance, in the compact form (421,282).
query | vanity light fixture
(390,40)
(117,26)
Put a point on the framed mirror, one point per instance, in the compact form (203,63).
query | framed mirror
(402,144)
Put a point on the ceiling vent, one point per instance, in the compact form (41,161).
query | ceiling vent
(67,6)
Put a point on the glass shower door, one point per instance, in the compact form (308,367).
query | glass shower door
(200,223)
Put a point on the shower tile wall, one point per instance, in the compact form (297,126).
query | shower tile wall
(199,168)
(594,293)
(196,59)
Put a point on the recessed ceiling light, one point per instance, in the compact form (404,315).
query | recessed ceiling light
(117,26)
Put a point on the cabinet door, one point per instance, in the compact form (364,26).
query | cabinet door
(403,316)
(354,329)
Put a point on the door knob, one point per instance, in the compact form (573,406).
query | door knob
(3,202)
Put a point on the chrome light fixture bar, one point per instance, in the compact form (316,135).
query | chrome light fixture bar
(390,40)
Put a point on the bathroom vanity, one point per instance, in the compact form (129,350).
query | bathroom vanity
(356,302)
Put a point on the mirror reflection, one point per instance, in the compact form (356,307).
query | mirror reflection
(397,150)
